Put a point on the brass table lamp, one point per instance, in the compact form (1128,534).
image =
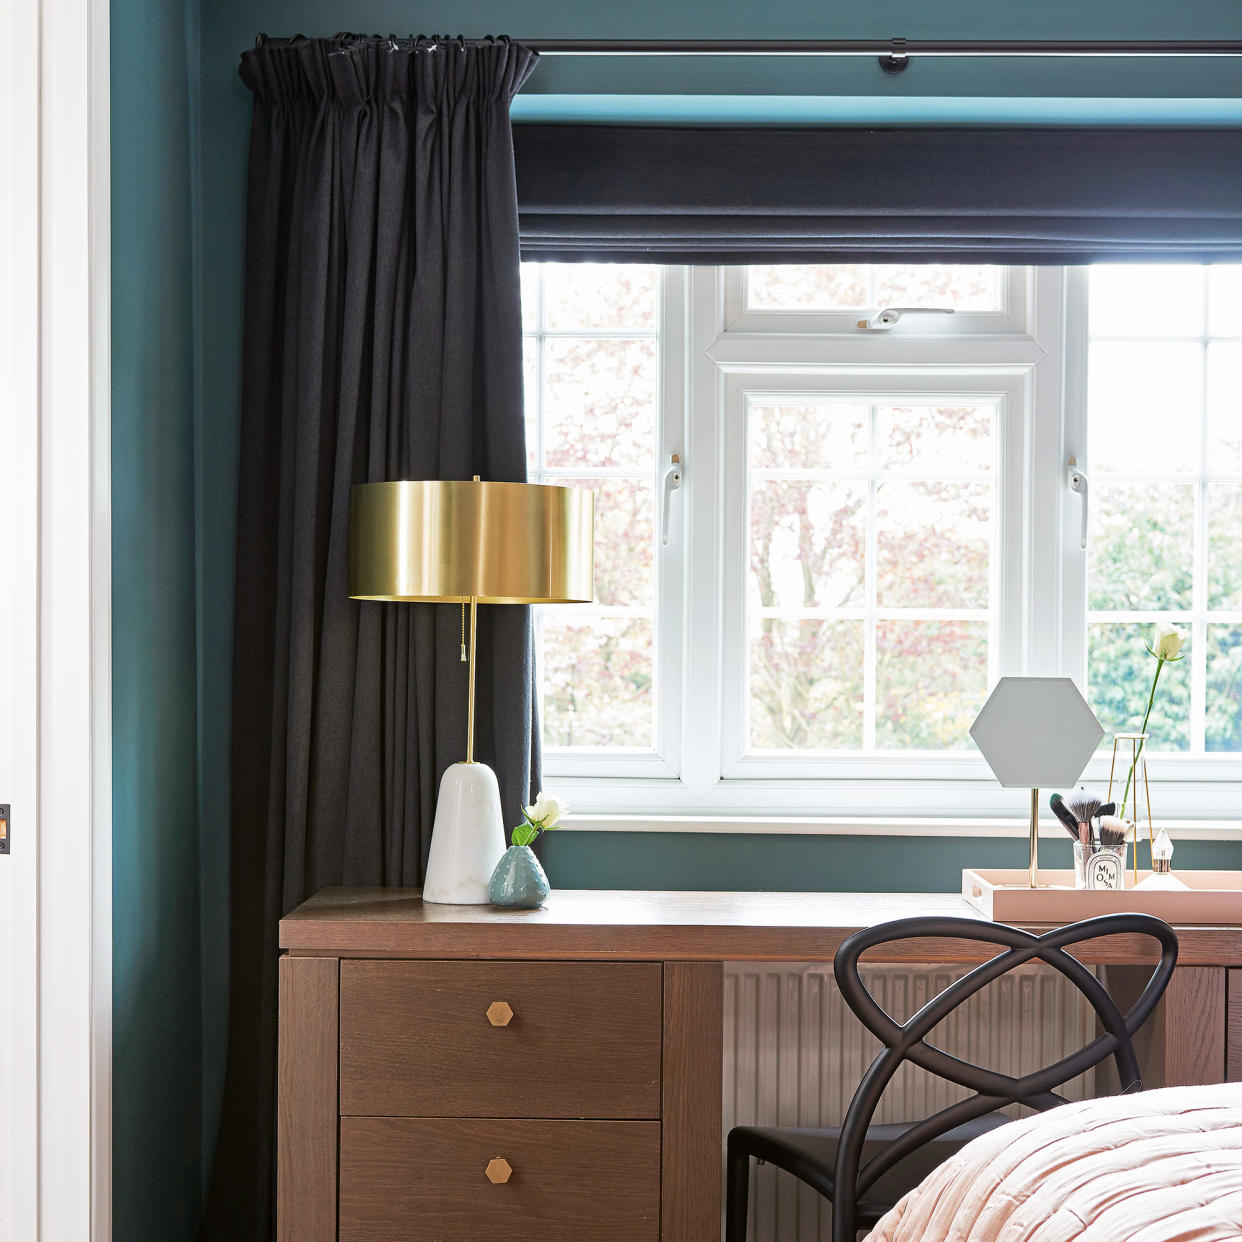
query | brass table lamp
(470,543)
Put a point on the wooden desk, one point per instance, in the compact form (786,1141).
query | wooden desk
(382,1061)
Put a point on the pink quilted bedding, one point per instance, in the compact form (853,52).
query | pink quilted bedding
(1161,1166)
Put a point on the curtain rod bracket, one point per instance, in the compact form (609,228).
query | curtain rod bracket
(897,60)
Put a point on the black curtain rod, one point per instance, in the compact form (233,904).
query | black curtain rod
(888,50)
(884,47)
(894,56)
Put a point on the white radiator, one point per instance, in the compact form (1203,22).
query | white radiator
(794,1054)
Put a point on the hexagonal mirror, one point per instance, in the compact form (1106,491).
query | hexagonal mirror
(1036,732)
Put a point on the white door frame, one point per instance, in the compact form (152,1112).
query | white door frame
(56,922)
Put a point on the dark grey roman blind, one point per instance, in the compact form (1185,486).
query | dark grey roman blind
(767,195)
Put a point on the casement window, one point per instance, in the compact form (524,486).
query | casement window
(824,532)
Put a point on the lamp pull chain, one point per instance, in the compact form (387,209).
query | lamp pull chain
(463,631)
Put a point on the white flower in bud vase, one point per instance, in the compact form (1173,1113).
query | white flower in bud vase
(1166,645)
(546,811)
(1168,642)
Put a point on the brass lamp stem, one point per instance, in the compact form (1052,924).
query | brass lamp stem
(1033,875)
(474,625)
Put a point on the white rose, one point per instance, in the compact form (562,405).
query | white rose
(1168,642)
(546,810)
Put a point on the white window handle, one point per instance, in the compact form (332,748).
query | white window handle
(672,483)
(886,317)
(1078,483)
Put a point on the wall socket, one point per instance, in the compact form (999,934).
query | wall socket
(4,827)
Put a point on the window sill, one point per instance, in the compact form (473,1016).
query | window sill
(799,825)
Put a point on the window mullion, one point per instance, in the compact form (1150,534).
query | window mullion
(669,623)
(1066,326)
(702,659)
(870,576)
(1199,590)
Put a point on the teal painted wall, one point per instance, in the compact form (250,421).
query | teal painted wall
(179,127)
(157,1067)
(847,91)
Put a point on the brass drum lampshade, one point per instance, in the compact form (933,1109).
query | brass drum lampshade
(500,543)
(470,543)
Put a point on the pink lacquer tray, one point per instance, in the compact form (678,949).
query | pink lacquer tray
(1211,897)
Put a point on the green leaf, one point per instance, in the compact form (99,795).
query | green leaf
(524,834)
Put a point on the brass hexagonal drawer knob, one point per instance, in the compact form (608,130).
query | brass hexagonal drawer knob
(499,1013)
(498,1170)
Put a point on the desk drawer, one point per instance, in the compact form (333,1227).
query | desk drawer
(413,1180)
(584,1039)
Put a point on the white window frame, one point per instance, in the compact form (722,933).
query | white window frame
(1030,356)
(1010,320)
(1202,786)
(661,762)
(836,383)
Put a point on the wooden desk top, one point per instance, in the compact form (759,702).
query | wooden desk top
(674,926)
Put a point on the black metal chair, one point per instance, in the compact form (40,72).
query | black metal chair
(863,1169)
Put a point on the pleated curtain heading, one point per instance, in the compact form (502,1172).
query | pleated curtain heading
(382,341)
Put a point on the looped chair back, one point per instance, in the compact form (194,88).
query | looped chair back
(992,1090)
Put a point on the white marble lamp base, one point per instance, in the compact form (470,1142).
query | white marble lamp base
(468,838)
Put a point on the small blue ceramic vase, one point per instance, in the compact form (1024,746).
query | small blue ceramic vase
(518,882)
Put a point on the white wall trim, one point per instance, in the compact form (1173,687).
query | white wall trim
(20,156)
(56,383)
(99,174)
(859,826)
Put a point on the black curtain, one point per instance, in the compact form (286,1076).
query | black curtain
(382,341)
(861,195)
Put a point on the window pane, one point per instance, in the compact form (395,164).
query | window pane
(808,437)
(1225,299)
(806,684)
(592,418)
(933,545)
(1145,406)
(934,284)
(1173,550)
(808,287)
(599,402)
(931,681)
(1224,687)
(811,540)
(860,286)
(808,541)
(624,540)
(596,681)
(1141,550)
(530,383)
(600,296)
(1224,556)
(936,439)
(1146,300)
(1119,675)
(530,296)
(1224,402)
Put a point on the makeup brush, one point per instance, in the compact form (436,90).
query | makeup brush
(1062,812)
(1109,808)
(1113,830)
(1082,806)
